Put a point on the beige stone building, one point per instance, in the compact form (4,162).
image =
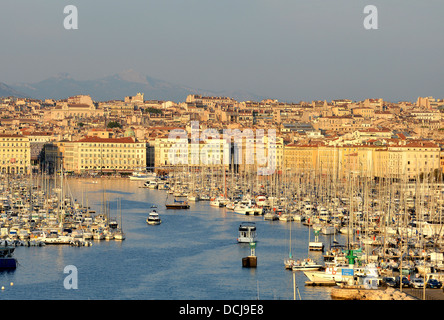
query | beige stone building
(15,154)
(405,160)
(75,111)
(104,154)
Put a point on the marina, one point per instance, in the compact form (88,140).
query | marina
(193,254)
(354,249)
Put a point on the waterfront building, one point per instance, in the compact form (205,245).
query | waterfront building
(404,159)
(15,154)
(103,154)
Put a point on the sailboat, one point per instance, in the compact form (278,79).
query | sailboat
(118,234)
(289,262)
(305,264)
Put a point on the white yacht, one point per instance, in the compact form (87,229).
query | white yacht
(119,235)
(306,264)
(153,218)
(193,197)
(261,201)
(142,176)
(151,184)
(231,205)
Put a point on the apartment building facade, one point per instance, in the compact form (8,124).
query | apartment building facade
(103,154)
(15,154)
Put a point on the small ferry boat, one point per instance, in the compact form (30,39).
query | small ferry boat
(153,218)
(247,232)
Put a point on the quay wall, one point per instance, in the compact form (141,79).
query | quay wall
(338,293)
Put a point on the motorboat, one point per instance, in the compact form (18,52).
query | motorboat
(152,184)
(204,197)
(316,246)
(7,261)
(119,235)
(306,264)
(193,197)
(216,203)
(261,201)
(153,218)
(138,176)
(219,201)
(342,273)
(271,215)
(231,205)
(248,208)
(328,229)
(178,204)
(247,232)
(286,217)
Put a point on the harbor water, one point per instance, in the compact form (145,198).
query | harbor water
(192,255)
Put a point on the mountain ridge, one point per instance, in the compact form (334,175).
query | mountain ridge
(116,87)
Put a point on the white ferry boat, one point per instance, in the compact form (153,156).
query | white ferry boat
(247,232)
(153,218)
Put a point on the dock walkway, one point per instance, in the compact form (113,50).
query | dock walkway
(430,294)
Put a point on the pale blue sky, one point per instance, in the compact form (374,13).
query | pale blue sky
(287,49)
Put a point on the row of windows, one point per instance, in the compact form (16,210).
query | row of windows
(132,145)
(91,155)
(91,161)
(12,139)
(17,144)
(14,163)
(111,151)
(12,150)
(107,167)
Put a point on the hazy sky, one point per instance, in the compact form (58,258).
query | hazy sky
(287,49)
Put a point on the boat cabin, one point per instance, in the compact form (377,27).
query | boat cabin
(247,232)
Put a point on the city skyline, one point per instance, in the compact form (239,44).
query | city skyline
(290,51)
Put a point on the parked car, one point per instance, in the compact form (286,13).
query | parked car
(417,283)
(405,282)
(390,281)
(434,284)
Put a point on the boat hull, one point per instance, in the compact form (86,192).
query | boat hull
(306,268)
(177,206)
(8,263)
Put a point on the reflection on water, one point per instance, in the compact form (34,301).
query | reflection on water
(193,254)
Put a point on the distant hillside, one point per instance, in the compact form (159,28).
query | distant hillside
(7,91)
(117,86)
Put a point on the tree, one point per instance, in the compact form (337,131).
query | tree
(113,124)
